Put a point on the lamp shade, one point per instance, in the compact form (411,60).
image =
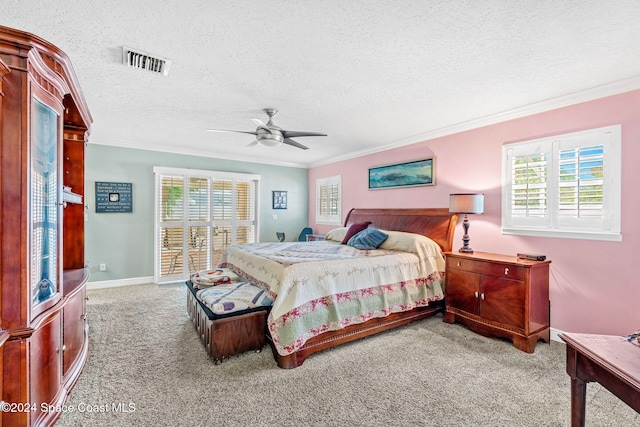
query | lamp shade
(467,203)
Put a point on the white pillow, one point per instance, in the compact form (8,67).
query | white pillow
(410,242)
(337,234)
(427,251)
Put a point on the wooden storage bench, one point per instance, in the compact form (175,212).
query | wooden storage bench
(229,330)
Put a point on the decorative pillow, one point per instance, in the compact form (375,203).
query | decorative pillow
(232,297)
(207,278)
(337,234)
(411,242)
(369,238)
(353,230)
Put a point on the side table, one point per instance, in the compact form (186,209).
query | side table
(607,359)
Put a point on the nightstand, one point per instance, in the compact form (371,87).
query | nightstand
(314,237)
(499,296)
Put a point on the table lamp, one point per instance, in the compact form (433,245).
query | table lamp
(466,203)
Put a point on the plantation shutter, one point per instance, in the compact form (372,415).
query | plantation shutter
(565,186)
(328,200)
(529,190)
(170,210)
(222,213)
(581,187)
(199,231)
(322,197)
(333,199)
(245,212)
(199,214)
(528,185)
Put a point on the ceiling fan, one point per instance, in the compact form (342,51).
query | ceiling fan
(270,135)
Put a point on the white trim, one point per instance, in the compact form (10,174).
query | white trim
(103,284)
(163,170)
(605,227)
(563,234)
(587,95)
(185,174)
(555,335)
(591,94)
(197,152)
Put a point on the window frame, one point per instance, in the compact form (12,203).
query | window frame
(323,184)
(186,222)
(552,224)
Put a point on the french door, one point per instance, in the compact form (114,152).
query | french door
(199,214)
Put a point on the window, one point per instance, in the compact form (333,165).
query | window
(564,186)
(328,200)
(199,214)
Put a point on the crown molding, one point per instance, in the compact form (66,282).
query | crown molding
(123,143)
(598,92)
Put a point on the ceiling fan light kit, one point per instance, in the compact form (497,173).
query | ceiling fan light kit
(270,135)
(268,139)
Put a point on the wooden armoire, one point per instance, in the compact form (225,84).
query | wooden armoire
(44,123)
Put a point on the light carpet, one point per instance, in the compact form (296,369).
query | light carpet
(147,367)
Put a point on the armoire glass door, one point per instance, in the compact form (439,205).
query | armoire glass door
(44,203)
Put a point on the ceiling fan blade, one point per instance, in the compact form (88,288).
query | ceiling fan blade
(260,124)
(290,141)
(293,133)
(224,130)
(252,144)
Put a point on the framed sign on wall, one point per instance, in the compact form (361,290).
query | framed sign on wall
(279,200)
(114,197)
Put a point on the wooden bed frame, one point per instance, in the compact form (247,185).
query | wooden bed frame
(438,224)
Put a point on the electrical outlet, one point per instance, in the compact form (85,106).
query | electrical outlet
(103,267)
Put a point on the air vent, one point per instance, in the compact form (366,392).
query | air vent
(144,61)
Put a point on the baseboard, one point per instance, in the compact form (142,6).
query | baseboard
(119,282)
(555,335)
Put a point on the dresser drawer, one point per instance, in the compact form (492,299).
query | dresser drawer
(509,271)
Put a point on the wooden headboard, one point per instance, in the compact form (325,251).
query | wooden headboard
(436,223)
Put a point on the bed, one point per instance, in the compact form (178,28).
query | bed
(326,294)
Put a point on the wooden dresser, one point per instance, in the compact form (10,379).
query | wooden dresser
(44,122)
(499,296)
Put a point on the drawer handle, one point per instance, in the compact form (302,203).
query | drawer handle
(482,296)
(459,263)
(506,271)
(476,294)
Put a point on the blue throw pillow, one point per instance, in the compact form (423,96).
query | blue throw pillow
(369,238)
(353,230)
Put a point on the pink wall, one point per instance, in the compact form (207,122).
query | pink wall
(593,284)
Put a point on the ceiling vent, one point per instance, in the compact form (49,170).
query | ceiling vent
(144,61)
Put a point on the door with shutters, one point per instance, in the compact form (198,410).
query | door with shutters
(199,214)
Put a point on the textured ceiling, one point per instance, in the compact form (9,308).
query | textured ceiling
(369,73)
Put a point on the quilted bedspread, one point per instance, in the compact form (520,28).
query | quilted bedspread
(322,286)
